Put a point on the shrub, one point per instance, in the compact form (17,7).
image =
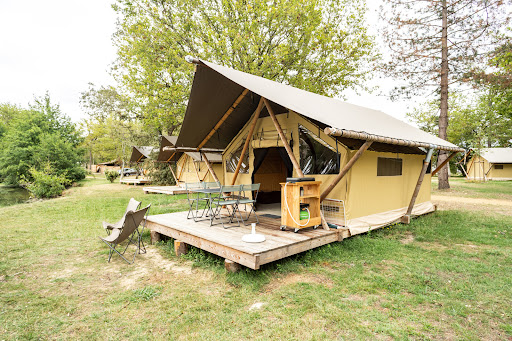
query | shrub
(159,173)
(111,175)
(45,184)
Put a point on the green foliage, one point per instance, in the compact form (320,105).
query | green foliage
(474,121)
(44,183)
(111,175)
(317,45)
(36,136)
(159,173)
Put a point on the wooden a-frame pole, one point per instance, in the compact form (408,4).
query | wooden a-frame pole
(212,172)
(443,163)
(174,175)
(223,118)
(283,139)
(183,165)
(169,159)
(206,174)
(248,139)
(345,169)
(197,173)
(406,219)
(290,152)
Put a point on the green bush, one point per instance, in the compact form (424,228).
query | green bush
(159,173)
(111,175)
(45,184)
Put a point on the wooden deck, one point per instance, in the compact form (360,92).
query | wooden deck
(171,190)
(227,243)
(134,181)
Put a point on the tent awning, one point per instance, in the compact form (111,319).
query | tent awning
(216,87)
(141,153)
(165,155)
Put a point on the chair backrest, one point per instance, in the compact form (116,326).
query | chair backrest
(132,220)
(230,189)
(251,187)
(194,185)
(133,205)
(215,184)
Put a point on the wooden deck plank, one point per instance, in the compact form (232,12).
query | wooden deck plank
(228,242)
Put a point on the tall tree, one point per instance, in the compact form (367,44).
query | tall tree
(317,45)
(434,43)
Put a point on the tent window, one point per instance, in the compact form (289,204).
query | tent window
(232,161)
(389,167)
(498,166)
(316,156)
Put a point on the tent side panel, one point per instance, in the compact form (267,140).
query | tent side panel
(501,174)
(371,194)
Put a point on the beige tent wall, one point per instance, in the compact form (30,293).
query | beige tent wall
(501,174)
(370,194)
(290,124)
(477,169)
(189,174)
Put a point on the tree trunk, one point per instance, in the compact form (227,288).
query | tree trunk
(443,117)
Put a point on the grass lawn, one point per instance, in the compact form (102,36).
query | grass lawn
(445,276)
(476,189)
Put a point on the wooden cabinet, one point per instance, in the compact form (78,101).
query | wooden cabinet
(292,195)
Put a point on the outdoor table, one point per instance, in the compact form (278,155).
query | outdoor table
(209,192)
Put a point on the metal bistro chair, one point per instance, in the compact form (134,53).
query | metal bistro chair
(214,184)
(195,199)
(229,196)
(245,200)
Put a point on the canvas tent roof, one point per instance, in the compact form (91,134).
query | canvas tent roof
(212,157)
(497,155)
(141,153)
(216,87)
(165,155)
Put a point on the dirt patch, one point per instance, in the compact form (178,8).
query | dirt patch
(407,239)
(299,278)
(488,206)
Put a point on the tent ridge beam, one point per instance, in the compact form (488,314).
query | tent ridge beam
(223,118)
(345,169)
(382,139)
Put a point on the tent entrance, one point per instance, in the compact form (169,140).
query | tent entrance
(271,167)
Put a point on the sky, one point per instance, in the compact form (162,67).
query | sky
(60,46)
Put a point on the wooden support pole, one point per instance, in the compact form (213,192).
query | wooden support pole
(197,172)
(172,171)
(248,139)
(223,118)
(169,159)
(406,219)
(444,163)
(345,169)
(231,266)
(140,158)
(283,139)
(206,174)
(182,166)
(180,248)
(208,164)
(155,237)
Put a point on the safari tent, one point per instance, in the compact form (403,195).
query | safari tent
(190,165)
(490,164)
(139,154)
(371,165)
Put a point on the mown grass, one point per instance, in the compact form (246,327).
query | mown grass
(476,189)
(445,276)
